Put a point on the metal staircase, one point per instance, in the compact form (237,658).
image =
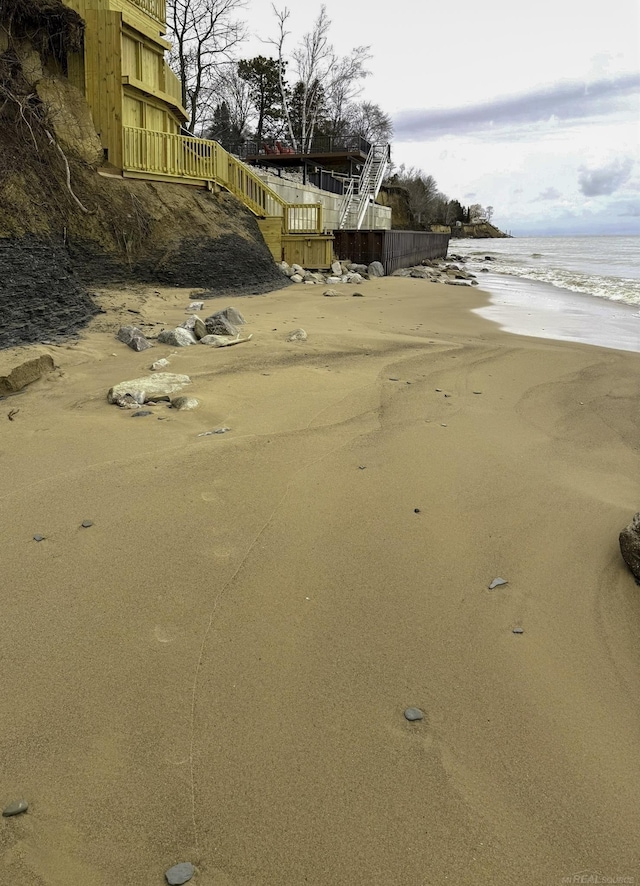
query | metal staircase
(363,190)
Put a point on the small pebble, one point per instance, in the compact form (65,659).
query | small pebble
(86,524)
(518,631)
(416,510)
(38,537)
(15,808)
(443,426)
(438,390)
(477,392)
(412,714)
(447,395)
(141,412)
(362,467)
(393,378)
(496,582)
(180,873)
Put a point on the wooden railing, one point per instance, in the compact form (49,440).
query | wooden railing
(155,8)
(187,157)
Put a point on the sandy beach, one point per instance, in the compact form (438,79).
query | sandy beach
(216,670)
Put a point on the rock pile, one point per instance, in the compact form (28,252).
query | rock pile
(341,272)
(440,271)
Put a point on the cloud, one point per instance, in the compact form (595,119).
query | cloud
(566,102)
(605,179)
(548,194)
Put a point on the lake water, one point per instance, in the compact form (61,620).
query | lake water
(584,289)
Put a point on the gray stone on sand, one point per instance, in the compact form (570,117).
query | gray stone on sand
(134,338)
(217,324)
(149,387)
(185,403)
(159,364)
(231,314)
(196,325)
(180,873)
(413,714)
(630,546)
(296,278)
(141,413)
(375,269)
(86,524)
(330,293)
(177,338)
(336,268)
(497,582)
(15,808)
(517,631)
(38,537)
(297,335)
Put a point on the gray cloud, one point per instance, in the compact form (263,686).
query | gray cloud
(605,179)
(548,194)
(567,102)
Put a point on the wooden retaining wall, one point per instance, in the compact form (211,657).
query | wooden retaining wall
(394,249)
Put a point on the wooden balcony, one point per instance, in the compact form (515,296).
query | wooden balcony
(156,9)
(325,151)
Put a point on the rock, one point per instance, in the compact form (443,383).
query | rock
(159,364)
(215,341)
(134,338)
(87,524)
(413,714)
(317,278)
(332,280)
(297,269)
(359,269)
(496,583)
(421,273)
(330,293)
(141,413)
(297,335)
(355,278)
(38,537)
(375,269)
(217,324)
(232,315)
(180,873)
(184,403)
(296,278)
(15,808)
(150,387)
(195,306)
(177,338)
(630,546)
(25,373)
(357,294)
(517,631)
(336,268)
(196,325)
(455,283)
(402,272)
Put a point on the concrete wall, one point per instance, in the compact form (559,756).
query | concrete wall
(377,217)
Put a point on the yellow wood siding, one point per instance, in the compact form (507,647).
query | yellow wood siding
(271,230)
(308,252)
(151,67)
(130,57)
(103,78)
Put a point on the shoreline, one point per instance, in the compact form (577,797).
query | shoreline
(216,671)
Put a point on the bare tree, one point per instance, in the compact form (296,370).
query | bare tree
(204,34)
(368,120)
(422,189)
(323,80)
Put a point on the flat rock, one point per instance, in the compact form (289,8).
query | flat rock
(38,537)
(87,524)
(330,293)
(162,363)
(375,269)
(180,873)
(185,403)
(195,306)
(517,631)
(413,714)
(134,338)
(15,808)
(150,387)
(357,295)
(297,335)
(195,325)
(630,546)
(231,314)
(178,337)
(141,413)
(497,582)
(296,278)
(24,373)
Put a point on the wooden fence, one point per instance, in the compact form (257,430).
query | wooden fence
(394,249)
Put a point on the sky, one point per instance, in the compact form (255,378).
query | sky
(532,108)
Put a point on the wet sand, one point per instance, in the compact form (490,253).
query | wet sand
(216,670)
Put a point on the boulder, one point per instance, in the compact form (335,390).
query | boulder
(134,338)
(402,272)
(355,278)
(375,269)
(297,269)
(150,387)
(162,363)
(297,335)
(336,268)
(218,324)
(421,273)
(177,338)
(330,293)
(196,325)
(296,278)
(630,546)
(332,280)
(22,374)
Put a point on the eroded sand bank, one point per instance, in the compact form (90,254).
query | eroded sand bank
(216,670)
